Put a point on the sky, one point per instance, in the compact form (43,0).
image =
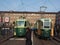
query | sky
(30,5)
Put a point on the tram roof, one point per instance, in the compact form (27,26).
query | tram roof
(45,19)
(21,20)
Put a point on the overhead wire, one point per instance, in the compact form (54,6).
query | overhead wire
(43,7)
(52,4)
(43,1)
(22,4)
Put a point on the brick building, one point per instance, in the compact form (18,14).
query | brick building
(31,16)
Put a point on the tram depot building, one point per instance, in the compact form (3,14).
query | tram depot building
(32,17)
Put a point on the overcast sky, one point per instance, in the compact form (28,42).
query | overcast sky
(29,5)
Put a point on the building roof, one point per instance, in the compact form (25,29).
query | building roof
(28,12)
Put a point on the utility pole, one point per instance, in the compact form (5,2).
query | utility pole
(42,10)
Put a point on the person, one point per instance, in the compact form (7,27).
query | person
(3,31)
(28,37)
(58,31)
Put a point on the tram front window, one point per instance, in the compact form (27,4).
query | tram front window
(20,23)
(46,24)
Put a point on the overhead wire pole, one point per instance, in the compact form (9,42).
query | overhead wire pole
(43,8)
(51,3)
(22,6)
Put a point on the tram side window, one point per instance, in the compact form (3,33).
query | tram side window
(27,24)
(35,25)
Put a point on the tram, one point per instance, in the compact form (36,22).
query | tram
(20,27)
(43,27)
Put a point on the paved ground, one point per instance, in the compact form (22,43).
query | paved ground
(14,42)
(35,40)
(38,41)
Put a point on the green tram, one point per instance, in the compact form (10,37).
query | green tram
(43,27)
(20,27)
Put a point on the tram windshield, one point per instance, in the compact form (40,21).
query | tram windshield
(46,24)
(20,23)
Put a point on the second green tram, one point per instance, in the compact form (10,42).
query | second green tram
(43,27)
(20,27)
